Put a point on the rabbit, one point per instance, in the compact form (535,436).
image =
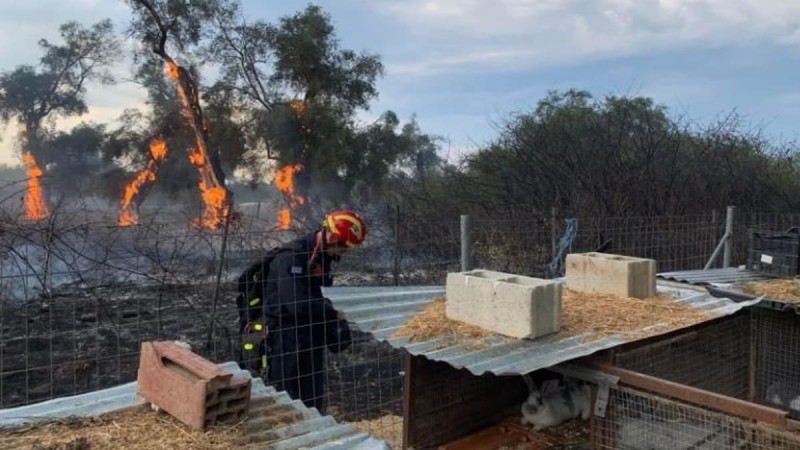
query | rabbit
(555,404)
(780,394)
(795,404)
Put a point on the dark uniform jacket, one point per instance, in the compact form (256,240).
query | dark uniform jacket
(302,322)
(294,298)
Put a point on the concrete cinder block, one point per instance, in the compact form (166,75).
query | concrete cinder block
(605,273)
(504,303)
(189,387)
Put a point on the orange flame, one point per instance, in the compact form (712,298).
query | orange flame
(158,151)
(213,194)
(298,107)
(35,206)
(284,181)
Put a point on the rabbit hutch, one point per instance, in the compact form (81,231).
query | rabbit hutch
(657,355)
(729,383)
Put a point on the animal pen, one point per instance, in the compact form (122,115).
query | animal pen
(79,297)
(726,384)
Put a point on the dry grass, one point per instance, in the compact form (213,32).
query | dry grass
(783,290)
(139,428)
(388,428)
(432,322)
(598,315)
(606,315)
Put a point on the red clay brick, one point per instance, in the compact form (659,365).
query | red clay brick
(189,387)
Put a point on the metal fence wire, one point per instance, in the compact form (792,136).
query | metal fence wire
(78,294)
(754,356)
(715,357)
(776,338)
(636,420)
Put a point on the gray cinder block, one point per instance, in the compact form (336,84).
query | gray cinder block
(504,303)
(611,274)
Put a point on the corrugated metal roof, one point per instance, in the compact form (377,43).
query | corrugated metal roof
(727,276)
(382,311)
(727,283)
(308,430)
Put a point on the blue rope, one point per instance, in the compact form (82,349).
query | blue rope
(564,245)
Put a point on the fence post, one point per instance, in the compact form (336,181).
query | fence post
(466,244)
(726,256)
(553,232)
(396,262)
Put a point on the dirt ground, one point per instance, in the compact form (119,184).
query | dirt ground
(85,339)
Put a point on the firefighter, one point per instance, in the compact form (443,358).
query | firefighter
(300,322)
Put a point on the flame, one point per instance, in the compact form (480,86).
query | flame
(213,194)
(35,206)
(158,151)
(284,181)
(298,107)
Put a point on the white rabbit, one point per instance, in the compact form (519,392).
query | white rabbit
(780,394)
(795,404)
(555,403)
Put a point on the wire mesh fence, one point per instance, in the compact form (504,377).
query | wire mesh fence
(79,294)
(776,338)
(714,357)
(636,420)
(753,356)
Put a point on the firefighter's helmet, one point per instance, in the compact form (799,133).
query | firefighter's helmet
(345,226)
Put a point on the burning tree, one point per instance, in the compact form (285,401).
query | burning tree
(284,181)
(302,91)
(128,216)
(155,21)
(55,88)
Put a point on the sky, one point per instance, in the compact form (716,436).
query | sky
(462,66)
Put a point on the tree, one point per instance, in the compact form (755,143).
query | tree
(299,88)
(615,156)
(73,157)
(157,22)
(57,87)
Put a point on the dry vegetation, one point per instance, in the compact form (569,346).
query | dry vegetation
(606,315)
(432,323)
(573,434)
(138,428)
(783,290)
(596,315)
(388,428)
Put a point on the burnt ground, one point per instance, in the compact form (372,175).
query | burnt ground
(85,339)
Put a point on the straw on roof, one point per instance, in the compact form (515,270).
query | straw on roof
(432,322)
(783,290)
(600,315)
(135,428)
(607,315)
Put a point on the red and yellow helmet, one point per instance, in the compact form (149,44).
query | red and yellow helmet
(345,226)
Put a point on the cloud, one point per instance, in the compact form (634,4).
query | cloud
(516,34)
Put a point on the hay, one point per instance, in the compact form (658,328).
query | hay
(607,315)
(783,290)
(594,315)
(136,428)
(432,323)
(388,428)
